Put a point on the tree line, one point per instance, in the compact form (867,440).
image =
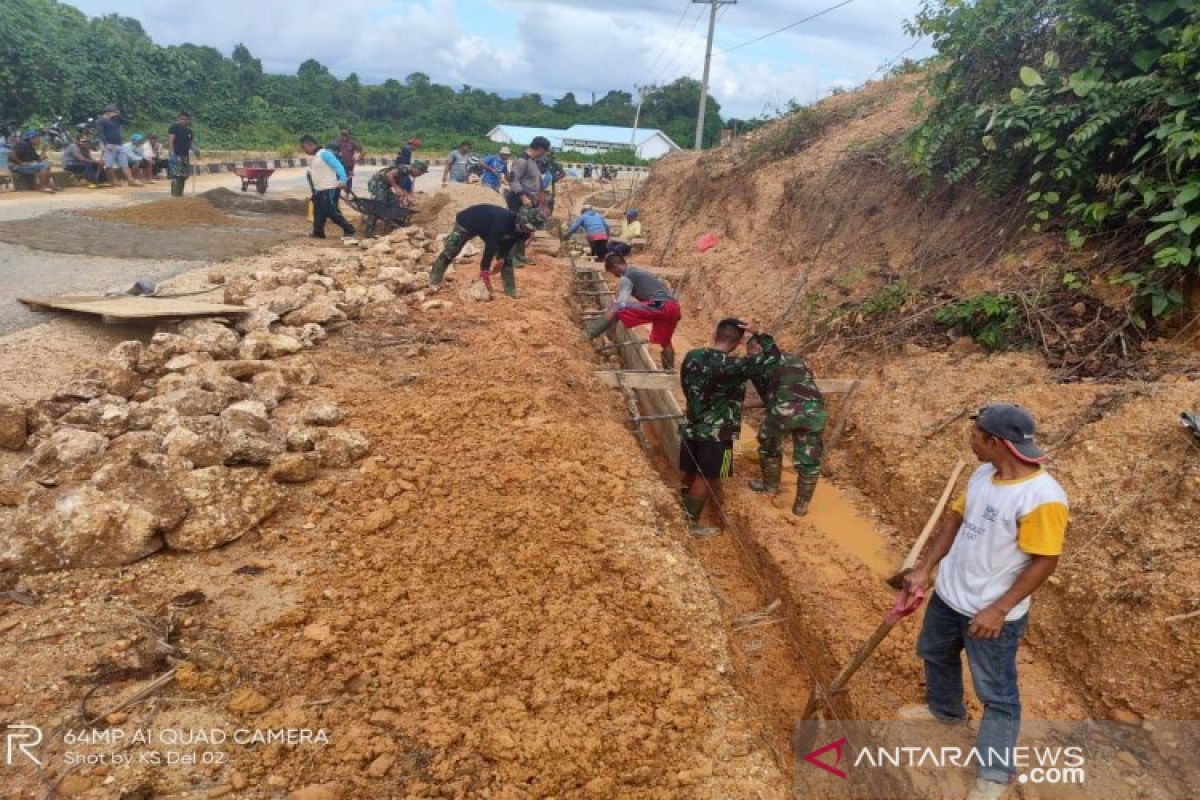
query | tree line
(55,60)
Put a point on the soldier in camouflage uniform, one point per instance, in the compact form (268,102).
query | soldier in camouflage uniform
(794,407)
(500,229)
(386,187)
(714,386)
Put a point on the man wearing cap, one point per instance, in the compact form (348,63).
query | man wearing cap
(495,169)
(525,184)
(714,385)
(386,186)
(996,544)
(642,298)
(139,165)
(108,128)
(25,160)
(500,229)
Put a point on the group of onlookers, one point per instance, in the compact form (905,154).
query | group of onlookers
(139,161)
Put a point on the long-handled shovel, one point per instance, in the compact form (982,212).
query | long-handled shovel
(803,735)
(897,580)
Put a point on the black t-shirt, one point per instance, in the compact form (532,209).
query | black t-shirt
(183,138)
(404,156)
(496,225)
(26,152)
(109,130)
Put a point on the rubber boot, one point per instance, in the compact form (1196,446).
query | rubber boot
(668,359)
(509,281)
(599,326)
(772,469)
(438,271)
(518,255)
(695,507)
(805,486)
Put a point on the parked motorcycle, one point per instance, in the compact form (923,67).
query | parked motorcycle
(56,134)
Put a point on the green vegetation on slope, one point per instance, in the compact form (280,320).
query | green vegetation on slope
(1090,108)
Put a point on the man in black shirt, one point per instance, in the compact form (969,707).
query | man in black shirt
(25,160)
(500,230)
(179,152)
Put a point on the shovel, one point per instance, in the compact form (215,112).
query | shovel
(897,580)
(804,735)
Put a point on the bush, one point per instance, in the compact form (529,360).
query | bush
(1091,107)
(992,320)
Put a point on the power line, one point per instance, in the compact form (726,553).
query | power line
(788,27)
(674,61)
(670,39)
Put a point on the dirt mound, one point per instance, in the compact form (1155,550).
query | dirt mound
(437,211)
(86,235)
(824,236)
(244,201)
(177,212)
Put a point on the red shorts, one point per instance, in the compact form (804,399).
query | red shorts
(662,320)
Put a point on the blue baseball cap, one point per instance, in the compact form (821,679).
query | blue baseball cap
(633,212)
(30,134)
(1014,426)
(137,137)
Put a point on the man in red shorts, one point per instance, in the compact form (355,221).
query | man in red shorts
(642,298)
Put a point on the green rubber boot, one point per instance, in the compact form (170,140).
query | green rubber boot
(438,271)
(599,326)
(806,485)
(695,507)
(518,255)
(772,470)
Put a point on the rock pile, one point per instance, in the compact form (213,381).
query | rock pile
(186,442)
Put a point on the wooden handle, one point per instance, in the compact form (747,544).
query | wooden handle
(911,559)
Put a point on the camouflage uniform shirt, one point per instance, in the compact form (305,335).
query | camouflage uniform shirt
(790,394)
(714,388)
(378,186)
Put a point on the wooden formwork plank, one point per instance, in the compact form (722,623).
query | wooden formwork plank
(119,308)
(635,355)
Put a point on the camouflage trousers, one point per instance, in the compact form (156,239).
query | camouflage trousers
(807,447)
(453,245)
(381,191)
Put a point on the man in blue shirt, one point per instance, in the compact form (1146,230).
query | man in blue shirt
(327,177)
(495,168)
(109,129)
(596,228)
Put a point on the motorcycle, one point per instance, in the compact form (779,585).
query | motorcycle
(87,129)
(56,134)
(9,131)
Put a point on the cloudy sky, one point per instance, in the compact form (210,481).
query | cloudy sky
(552,46)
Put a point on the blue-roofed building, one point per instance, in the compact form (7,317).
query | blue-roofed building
(650,142)
(521,135)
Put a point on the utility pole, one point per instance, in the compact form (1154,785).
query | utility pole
(712,26)
(637,116)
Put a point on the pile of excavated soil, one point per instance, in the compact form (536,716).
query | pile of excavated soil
(245,201)
(436,212)
(176,212)
(498,603)
(86,235)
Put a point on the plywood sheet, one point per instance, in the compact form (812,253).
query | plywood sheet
(132,307)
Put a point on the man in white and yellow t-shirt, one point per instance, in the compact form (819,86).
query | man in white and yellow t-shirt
(997,543)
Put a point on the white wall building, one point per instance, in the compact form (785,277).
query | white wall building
(650,143)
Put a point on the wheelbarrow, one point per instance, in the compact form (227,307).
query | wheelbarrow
(393,213)
(256,176)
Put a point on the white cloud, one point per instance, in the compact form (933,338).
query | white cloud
(557,46)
